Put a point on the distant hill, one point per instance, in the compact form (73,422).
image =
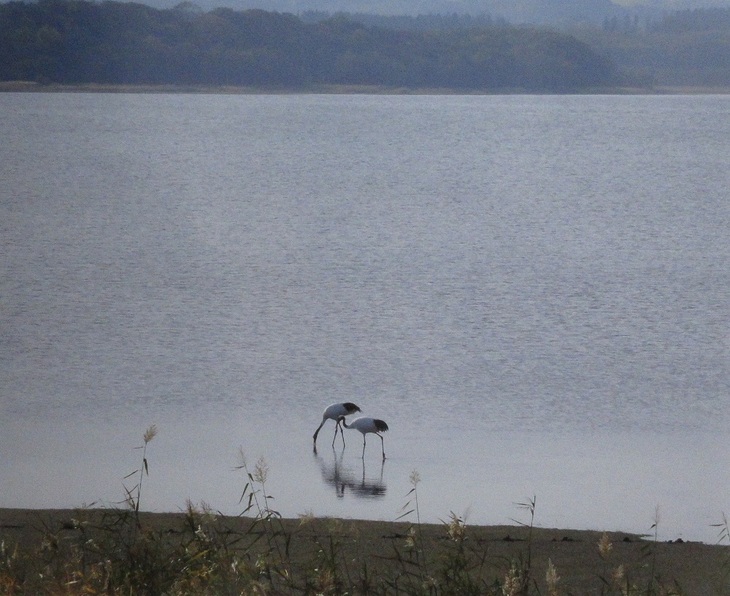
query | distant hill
(533,12)
(689,48)
(559,13)
(77,42)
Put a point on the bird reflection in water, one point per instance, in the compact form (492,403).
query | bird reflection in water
(347,479)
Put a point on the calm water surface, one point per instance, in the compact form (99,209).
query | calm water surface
(532,291)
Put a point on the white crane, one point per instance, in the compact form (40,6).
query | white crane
(336,412)
(365,426)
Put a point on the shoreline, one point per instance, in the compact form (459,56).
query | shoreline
(34,87)
(18,517)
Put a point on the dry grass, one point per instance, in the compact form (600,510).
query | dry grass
(101,551)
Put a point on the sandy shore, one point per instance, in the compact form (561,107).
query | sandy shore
(697,568)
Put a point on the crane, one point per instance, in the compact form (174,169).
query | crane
(335,412)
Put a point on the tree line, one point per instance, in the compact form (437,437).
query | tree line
(684,48)
(78,42)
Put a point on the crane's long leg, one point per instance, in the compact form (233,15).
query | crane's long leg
(316,432)
(342,432)
(363,446)
(382,444)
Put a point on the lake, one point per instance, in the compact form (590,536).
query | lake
(532,291)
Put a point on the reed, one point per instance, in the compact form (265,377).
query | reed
(133,496)
(723,537)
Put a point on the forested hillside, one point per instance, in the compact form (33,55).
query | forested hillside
(75,42)
(686,48)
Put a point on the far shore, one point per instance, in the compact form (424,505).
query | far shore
(34,87)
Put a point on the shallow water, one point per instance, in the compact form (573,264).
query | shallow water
(532,291)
